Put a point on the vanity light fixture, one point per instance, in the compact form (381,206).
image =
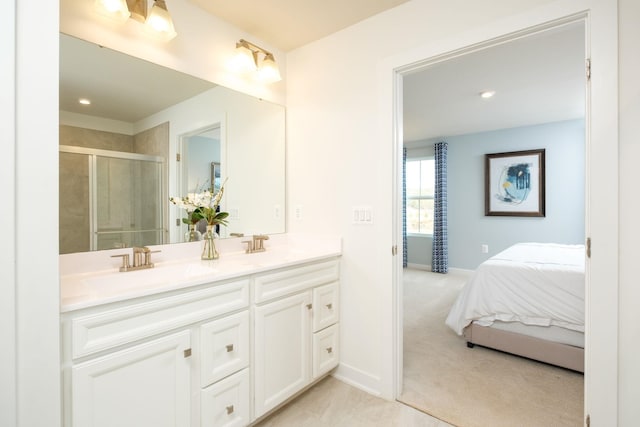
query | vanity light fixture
(486,94)
(157,20)
(248,59)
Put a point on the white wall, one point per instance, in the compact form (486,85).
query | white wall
(340,147)
(29,285)
(8,332)
(629,389)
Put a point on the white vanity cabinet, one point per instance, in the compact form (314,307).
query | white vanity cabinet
(212,352)
(162,360)
(296,331)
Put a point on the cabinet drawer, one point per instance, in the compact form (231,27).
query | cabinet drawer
(326,310)
(326,353)
(286,282)
(110,328)
(226,403)
(224,347)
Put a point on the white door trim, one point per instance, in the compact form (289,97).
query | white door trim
(601,219)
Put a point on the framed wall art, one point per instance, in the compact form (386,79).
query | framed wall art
(514,184)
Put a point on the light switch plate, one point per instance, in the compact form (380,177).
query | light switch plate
(362,215)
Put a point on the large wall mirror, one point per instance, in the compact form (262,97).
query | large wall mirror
(150,133)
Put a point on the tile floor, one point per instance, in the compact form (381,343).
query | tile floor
(336,404)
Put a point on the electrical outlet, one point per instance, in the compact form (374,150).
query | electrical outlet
(234,213)
(484,249)
(276,212)
(297,212)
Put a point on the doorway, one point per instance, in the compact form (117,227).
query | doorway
(480,124)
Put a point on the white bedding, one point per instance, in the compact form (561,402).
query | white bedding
(532,283)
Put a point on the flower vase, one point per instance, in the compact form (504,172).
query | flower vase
(209,248)
(192,235)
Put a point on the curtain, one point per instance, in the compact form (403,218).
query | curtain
(440,257)
(404,208)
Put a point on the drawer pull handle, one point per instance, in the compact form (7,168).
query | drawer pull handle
(187,353)
(329,306)
(309,306)
(329,349)
(229,409)
(229,348)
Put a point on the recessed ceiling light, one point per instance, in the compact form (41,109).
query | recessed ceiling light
(486,94)
(84,101)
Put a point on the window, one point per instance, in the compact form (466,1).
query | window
(420,192)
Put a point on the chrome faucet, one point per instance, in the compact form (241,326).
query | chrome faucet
(256,244)
(141,259)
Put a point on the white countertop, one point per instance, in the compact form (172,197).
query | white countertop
(92,278)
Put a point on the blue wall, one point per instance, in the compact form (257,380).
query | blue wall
(469,228)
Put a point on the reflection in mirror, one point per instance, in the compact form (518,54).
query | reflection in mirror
(150,133)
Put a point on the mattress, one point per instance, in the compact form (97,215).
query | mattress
(534,284)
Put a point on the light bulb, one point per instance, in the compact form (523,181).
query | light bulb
(268,71)
(243,60)
(160,21)
(114,9)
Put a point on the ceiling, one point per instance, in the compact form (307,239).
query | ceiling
(537,79)
(288,24)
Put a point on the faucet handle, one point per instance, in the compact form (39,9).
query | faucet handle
(258,242)
(125,261)
(147,256)
(249,246)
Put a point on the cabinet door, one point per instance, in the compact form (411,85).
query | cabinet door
(226,403)
(282,350)
(224,347)
(145,385)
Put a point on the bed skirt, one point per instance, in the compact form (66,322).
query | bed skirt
(563,355)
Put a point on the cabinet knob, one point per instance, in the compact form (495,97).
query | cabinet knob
(229,348)
(329,306)
(187,353)
(230,409)
(329,349)
(309,306)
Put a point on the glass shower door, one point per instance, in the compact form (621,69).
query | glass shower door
(127,200)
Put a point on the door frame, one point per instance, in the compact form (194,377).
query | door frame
(601,219)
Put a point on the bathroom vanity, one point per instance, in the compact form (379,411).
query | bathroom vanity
(197,343)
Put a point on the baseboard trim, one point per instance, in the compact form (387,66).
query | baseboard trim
(359,379)
(419,266)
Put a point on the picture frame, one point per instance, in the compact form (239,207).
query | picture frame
(515,183)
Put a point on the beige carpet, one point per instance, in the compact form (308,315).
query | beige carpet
(475,387)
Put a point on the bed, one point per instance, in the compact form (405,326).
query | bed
(527,300)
